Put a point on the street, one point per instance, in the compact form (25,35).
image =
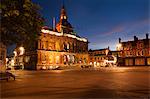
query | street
(119,82)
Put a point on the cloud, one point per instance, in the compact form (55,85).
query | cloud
(124,30)
(127,27)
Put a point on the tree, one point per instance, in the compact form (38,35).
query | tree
(20,22)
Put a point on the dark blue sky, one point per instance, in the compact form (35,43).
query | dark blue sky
(102,21)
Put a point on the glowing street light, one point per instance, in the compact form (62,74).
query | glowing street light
(6,60)
(90,63)
(15,53)
(22,50)
(12,62)
(119,46)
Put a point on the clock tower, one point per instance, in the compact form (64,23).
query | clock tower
(63,26)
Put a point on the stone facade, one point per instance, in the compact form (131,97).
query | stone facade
(61,50)
(135,53)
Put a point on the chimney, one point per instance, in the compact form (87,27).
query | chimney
(108,47)
(54,23)
(147,36)
(119,40)
(135,38)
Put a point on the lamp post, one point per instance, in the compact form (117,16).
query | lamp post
(119,47)
(22,51)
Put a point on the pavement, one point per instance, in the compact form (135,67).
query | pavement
(100,83)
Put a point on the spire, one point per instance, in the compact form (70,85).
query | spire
(63,14)
(54,23)
(63,4)
(63,24)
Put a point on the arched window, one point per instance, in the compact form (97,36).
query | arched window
(68,46)
(65,59)
(57,46)
(65,46)
(46,44)
(73,59)
(39,44)
(142,52)
(57,59)
(42,44)
(73,47)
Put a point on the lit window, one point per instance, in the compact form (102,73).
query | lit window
(94,63)
(57,59)
(90,63)
(67,46)
(98,64)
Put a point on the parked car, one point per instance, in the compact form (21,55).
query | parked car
(18,67)
(86,66)
(6,76)
(8,68)
(54,68)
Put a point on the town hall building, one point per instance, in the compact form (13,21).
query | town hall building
(59,46)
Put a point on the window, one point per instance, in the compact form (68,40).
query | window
(42,44)
(68,46)
(46,44)
(148,61)
(57,59)
(73,46)
(139,61)
(65,46)
(130,53)
(138,53)
(39,46)
(142,53)
(2,55)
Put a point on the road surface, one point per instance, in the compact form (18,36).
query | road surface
(119,82)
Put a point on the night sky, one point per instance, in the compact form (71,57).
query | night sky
(101,21)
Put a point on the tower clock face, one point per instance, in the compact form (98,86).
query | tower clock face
(65,17)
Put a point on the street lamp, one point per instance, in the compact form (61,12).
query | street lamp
(22,50)
(119,46)
(15,53)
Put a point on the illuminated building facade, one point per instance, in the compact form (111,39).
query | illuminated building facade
(59,46)
(19,59)
(134,53)
(97,57)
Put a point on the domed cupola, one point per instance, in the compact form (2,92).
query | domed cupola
(63,25)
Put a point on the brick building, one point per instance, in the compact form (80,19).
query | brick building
(134,53)
(97,57)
